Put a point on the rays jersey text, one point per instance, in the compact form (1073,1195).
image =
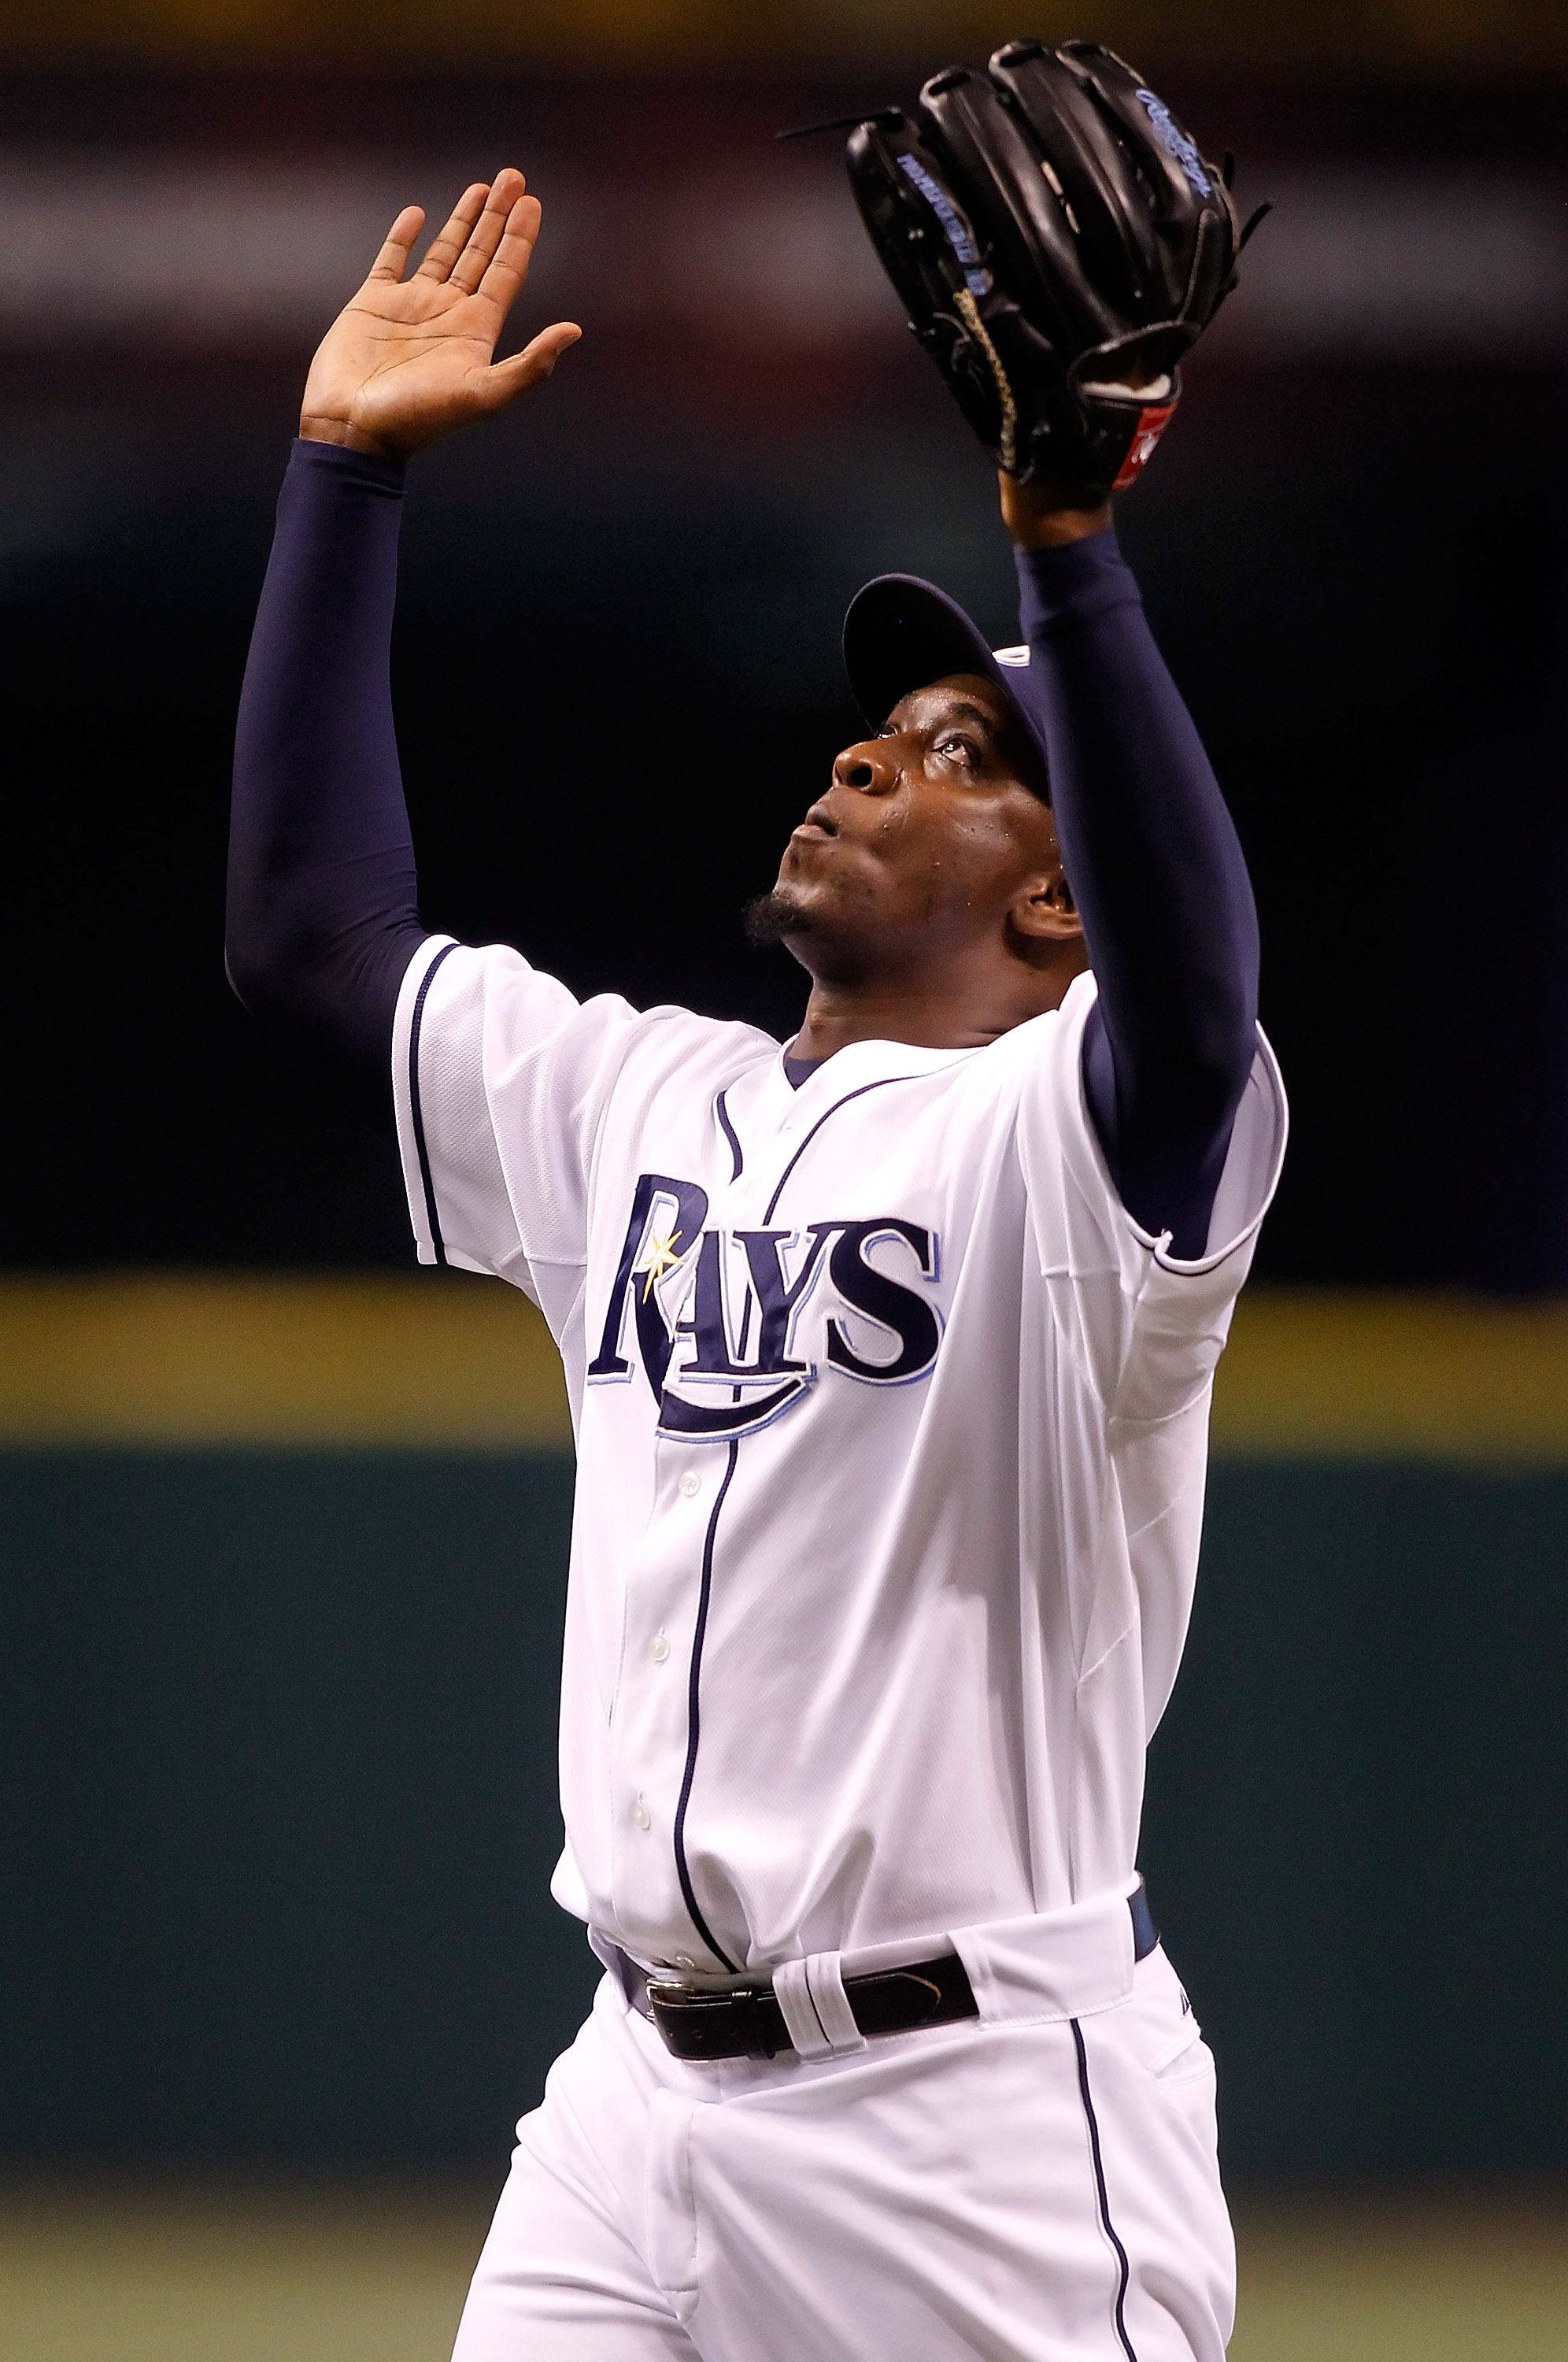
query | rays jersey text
(732,1327)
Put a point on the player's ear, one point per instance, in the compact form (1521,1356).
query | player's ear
(1043,911)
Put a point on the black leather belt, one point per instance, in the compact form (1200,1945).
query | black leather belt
(748,2023)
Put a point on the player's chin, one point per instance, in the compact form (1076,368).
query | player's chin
(779,915)
(816,902)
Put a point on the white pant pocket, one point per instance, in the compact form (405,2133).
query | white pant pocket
(1189,2054)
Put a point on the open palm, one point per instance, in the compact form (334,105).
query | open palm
(410,358)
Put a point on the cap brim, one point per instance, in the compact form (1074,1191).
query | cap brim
(901,633)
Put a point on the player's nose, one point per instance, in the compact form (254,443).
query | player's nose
(867,767)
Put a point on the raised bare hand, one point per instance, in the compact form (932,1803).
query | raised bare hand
(410,358)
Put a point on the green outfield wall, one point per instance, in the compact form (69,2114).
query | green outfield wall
(281,1574)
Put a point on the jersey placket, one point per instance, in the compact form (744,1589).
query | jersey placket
(656,1721)
(656,1718)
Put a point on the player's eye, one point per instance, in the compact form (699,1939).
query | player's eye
(957,749)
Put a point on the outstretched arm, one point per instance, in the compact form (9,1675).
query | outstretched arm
(1155,867)
(323,918)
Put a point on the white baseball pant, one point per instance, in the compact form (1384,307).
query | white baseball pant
(1019,2191)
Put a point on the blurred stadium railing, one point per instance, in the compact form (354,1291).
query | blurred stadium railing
(1409,262)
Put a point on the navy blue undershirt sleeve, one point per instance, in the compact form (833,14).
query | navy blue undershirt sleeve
(1158,875)
(323,915)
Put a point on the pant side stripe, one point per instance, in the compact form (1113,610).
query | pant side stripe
(1124,2269)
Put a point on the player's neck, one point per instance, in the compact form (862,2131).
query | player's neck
(928,1014)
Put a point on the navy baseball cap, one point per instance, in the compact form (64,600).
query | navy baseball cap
(901,633)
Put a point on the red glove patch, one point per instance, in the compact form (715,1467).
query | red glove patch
(1151,424)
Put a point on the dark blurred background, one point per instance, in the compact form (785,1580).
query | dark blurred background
(277,1754)
(617,672)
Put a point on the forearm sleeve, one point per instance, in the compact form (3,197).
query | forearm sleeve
(323,916)
(1157,872)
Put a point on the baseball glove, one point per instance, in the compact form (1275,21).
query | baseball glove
(1059,243)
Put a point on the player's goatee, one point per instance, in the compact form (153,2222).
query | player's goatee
(772,918)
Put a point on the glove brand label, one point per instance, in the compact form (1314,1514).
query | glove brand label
(979,282)
(1174,141)
(1151,424)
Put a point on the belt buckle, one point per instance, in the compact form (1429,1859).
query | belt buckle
(669,1991)
(678,2010)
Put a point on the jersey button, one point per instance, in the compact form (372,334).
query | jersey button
(658,1648)
(642,1816)
(690,1484)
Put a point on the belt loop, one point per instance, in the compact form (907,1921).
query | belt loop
(815,2007)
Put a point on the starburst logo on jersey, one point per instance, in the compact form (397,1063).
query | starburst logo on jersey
(724,1323)
(663,1258)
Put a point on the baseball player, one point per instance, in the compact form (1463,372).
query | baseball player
(888,1348)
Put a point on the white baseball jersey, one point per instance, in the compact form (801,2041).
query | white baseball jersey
(891,1432)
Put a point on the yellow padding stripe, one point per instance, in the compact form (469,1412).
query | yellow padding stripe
(436,1362)
(445,1363)
(1376,1375)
